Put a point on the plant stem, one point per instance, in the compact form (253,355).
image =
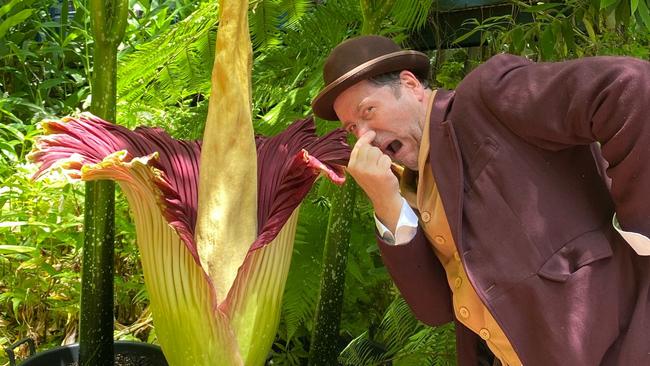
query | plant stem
(374,12)
(324,348)
(96,313)
(96,319)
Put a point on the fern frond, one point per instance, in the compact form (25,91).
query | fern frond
(403,340)
(264,20)
(411,14)
(363,351)
(172,66)
(301,291)
(293,10)
(286,77)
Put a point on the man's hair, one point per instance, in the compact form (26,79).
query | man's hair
(392,79)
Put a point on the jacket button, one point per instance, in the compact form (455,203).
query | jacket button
(439,239)
(426,216)
(458,282)
(457,256)
(464,312)
(484,333)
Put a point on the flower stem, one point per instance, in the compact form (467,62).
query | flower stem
(324,341)
(96,319)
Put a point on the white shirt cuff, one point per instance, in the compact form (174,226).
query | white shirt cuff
(640,243)
(407,226)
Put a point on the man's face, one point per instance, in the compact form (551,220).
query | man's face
(396,116)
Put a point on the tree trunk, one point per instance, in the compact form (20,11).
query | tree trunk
(108,20)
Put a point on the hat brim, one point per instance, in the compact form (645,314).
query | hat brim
(414,61)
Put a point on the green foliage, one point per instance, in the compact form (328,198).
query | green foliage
(367,287)
(563,30)
(402,340)
(40,256)
(450,74)
(164,80)
(39,288)
(268,18)
(148,19)
(411,15)
(43,58)
(171,67)
(287,77)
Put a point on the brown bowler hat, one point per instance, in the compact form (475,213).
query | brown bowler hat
(361,58)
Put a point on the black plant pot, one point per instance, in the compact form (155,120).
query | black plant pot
(126,354)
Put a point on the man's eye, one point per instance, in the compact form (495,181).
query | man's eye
(369,110)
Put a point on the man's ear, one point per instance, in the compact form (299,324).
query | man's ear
(411,82)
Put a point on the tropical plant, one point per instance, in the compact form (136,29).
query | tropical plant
(40,259)
(401,340)
(108,22)
(562,30)
(148,19)
(43,58)
(228,292)
(159,177)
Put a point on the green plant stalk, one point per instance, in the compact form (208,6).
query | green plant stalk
(374,11)
(324,338)
(62,29)
(96,311)
(324,348)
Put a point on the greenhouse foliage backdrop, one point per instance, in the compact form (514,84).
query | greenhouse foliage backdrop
(164,80)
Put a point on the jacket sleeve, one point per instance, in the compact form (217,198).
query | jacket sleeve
(420,278)
(596,99)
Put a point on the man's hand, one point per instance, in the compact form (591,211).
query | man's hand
(370,168)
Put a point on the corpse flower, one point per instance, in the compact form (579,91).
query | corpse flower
(159,176)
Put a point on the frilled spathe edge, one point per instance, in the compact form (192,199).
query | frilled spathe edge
(288,165)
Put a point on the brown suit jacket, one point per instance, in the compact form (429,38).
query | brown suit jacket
(531,216)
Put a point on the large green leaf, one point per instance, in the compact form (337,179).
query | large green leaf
(16,249)
(644,12)
(14,20)
(604,4)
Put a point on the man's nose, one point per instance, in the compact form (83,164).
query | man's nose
(360,130)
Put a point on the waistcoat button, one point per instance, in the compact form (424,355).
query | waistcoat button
(426,216)
(484,333)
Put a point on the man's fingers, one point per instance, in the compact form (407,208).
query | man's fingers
(366,138)
(385,162)
(373,154)
(360,148)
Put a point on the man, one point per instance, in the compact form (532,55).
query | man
(514,237)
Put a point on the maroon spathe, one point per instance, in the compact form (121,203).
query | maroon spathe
(287,166)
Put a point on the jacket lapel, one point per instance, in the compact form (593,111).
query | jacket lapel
(445,161)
